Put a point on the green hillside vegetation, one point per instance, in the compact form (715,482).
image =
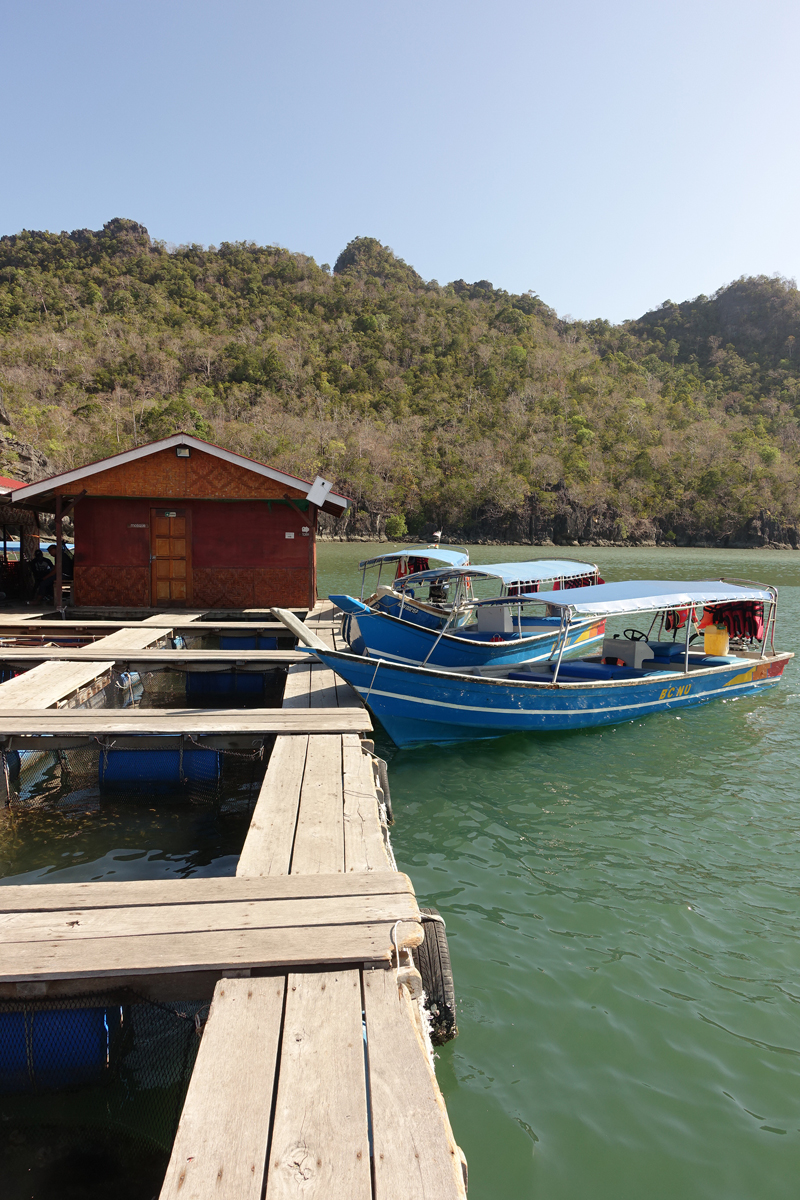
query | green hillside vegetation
(458,406)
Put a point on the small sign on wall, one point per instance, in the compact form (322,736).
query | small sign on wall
(137,525)
(289,535)
(306,531)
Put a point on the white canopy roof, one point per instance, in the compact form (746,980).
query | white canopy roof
(649,595)
(534,570)
(455,558)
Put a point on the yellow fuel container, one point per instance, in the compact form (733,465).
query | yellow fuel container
(716,640)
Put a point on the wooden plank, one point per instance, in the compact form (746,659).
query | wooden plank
(323,693)
(298,682)
(319,838)
(11,628)
(168,619)
(414,1152)
(130,638)
(171,658)
(267,848)
(302,632)
(83,924)
(49,897)
(152,954)
(221,1145)
(195,721)
(44,686)
(364,844)
(320,1141)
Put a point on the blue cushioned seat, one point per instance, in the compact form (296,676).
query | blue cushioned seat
(574,672)
(668,650)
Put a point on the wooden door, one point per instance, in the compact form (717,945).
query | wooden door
(170,557)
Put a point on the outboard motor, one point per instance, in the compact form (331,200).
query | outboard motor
(437,593)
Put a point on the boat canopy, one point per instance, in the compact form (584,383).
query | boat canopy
(508,573)
(648,595)
(454,558)
(535,570)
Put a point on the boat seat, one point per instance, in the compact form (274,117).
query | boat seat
(572,672)
(669,650)
(584,670)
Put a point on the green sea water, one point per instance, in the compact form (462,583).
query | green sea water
(623,912)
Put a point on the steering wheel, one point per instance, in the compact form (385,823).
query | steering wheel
(634,635)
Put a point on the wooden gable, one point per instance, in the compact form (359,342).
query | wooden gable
(202,476)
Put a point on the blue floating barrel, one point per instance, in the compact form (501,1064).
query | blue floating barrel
(51,1049)
(13,762)
(224,683)
(254,642)
(121,770)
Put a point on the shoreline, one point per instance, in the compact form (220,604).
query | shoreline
(600,544)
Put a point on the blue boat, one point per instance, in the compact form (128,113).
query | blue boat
(634,676)
(453,588)
(499,634)
(409,560)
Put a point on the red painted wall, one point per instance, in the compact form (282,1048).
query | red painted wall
(246,533)
(240,554)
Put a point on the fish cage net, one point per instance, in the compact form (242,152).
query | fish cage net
(98,1074)
(194,689)
(179,771)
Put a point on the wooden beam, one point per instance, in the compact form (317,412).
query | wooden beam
(364,843)
(301,631)
(320,1137)
(162,658)
(53,897)
(40,624)
(226,916)
(220,950)
(220,1148)
(59,533)
(100,722)
(319,838)
(45,685)
(415,1154)
(267,848)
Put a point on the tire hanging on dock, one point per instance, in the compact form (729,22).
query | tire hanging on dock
(432,960)
(383,783)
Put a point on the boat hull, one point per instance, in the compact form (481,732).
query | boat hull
(383,636)
(417,705)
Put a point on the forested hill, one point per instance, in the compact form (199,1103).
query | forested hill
(455,406)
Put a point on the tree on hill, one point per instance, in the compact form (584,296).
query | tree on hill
(459,405)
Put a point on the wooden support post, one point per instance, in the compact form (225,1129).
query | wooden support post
(313,512)
(59,583)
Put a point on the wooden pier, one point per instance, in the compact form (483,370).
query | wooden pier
(314,1076)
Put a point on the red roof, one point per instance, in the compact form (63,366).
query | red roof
(8,485)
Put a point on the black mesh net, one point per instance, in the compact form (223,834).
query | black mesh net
(178,771)
(91,1090)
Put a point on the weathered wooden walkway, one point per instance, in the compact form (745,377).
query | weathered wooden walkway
(314,1078)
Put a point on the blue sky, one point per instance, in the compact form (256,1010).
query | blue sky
(607,155)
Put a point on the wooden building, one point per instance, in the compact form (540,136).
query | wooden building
(182,523)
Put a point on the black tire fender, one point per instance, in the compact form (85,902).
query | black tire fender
(432,960)
(383,783)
